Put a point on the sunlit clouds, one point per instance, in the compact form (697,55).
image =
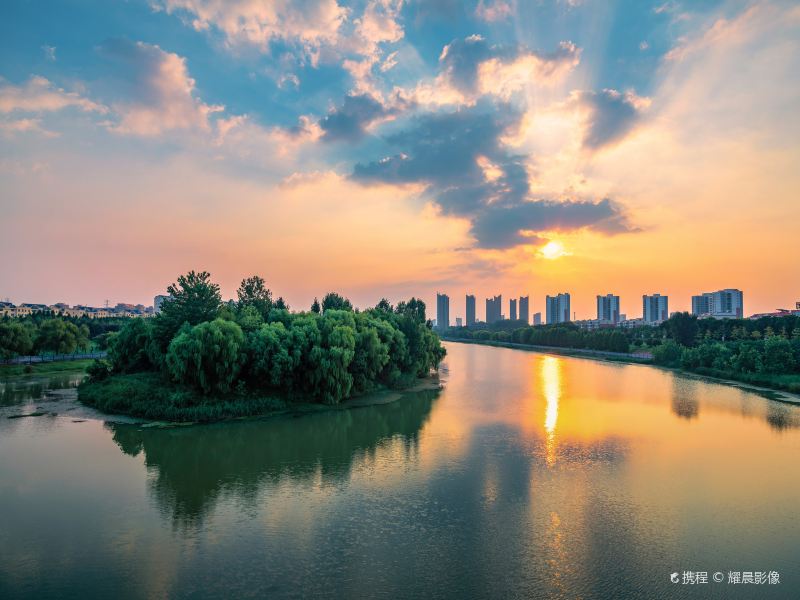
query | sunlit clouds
(386,148)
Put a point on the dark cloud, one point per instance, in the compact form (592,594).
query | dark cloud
(611,116)
(349,121)
(445,151)
(461,58)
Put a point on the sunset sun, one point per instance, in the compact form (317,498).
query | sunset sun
(552,250)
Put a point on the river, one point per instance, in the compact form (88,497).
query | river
(528,476)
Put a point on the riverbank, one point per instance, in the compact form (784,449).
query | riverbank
(44,368)
(637,358)
(777,392)
(147,396)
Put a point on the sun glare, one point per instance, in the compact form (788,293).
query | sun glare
(553,249)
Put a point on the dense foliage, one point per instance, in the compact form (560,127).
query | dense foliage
(765,351)
(566,335)
(254,347)
(20,337)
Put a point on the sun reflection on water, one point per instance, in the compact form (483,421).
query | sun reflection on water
(551,388)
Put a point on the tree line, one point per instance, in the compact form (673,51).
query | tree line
(256,345)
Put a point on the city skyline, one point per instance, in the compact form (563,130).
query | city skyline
(599,146)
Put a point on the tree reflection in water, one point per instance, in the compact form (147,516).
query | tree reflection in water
(193,466)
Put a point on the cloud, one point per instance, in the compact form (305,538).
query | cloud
(309,23)
(11,127)
(350,120)
(40,95)
(459,156)
(471,67)
(160,93)
(609,115)
(489,11)
(49,52)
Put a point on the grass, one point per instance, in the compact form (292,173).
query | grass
(44,368)
(789,382)
(149,396)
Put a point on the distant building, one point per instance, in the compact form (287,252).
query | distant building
(158,301)
(557,309)
(470,310)
(701,305)
(722,304)
(512,309)
(608,308)
(655,308)
(524,309)
(459,322)
(442,311)
(781,312)
(494,309)
(537,318)
(631,323)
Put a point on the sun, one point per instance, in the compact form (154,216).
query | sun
(552,250)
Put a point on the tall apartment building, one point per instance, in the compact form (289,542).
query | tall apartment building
(537,318)
(722,304)
(512,309)
(494,308)
(470,310)
(608,308)
(557,309)
(524,309)
(655,308)
(442,311)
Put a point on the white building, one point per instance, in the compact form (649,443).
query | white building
(722,304)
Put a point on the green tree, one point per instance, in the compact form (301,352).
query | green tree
(249,318)
(778,356)
(315,307)
(329,379)
(194,299)
(15,339)
(668,354)
(128,351)
(253,292)
(62,337)
(271,361)
(208,356)
(333,301)
(682,327)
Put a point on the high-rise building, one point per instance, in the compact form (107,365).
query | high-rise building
(512,309)
(722,304)
(442,311)
(557,309)
(608,308)
(524,309)
(459,322)
(158,301)
(537,318)
(470,310)
(702,304)
(494,308)
(655,308)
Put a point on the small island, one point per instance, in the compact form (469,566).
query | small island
(201,359)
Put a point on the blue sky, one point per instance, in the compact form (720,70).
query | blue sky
(477,132)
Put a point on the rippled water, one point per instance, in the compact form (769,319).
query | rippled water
(529,476)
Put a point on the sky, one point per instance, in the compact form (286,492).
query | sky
(396,148)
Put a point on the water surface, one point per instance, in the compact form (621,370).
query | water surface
(529,476)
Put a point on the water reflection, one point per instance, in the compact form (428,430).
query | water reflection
(192,467)
(551,388)
(684,397)
(19,390)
